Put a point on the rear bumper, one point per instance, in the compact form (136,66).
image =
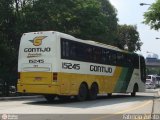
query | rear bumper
(38,89)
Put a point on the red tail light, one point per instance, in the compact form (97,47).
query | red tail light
(55,77)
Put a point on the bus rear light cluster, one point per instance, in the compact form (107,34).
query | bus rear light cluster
(55,77)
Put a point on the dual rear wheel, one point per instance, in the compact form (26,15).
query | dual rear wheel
(50,98)
(85,93)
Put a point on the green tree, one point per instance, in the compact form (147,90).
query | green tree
(128,35)
(152,16)
(8,62)
(86,19)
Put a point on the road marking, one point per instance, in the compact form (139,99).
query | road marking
(134,108)
(122,112)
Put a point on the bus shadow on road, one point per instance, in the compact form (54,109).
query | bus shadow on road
(100,101)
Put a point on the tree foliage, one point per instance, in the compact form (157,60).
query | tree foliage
(86,19)
(7,50)
(152,16)
(8,53)
(128,35)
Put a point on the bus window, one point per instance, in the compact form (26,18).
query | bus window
(120,59)
(143,69)
(113,58)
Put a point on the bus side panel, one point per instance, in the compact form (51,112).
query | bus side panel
(128,78)
(110,82)
(138,76)
(70,82)
(136,79)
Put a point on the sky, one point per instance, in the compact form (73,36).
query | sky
(131,13)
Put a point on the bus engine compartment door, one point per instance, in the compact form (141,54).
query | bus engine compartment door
(36,74)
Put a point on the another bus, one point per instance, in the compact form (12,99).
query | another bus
(56,64)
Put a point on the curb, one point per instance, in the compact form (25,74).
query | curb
(19,97)
(157,93)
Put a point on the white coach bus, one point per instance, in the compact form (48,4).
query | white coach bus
(56,64)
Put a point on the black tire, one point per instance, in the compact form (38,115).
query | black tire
(135,89)
(93,91)
(109,94)
(64,98)
(133,94)
(83,92)
(49,98)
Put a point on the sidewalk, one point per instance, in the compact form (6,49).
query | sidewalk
(156,109)
(158,91)
(157,94)
(20,97)
(156,103)
(153,90)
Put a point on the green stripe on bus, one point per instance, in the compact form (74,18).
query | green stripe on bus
(121,79)
(124,79)
(127,79)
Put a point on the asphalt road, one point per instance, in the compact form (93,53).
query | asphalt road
(115,107)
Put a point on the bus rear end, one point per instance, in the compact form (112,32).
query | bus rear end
(37,53)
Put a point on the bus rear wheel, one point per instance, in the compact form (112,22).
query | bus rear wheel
(83,92)
(135,89)
(93,91)
(64,98)
(109,94)
(49,98)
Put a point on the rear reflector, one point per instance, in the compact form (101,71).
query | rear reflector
(55,77)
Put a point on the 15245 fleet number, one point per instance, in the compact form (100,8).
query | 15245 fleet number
(66,65)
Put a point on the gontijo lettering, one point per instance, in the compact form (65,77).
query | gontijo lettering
(47,49)
(100,69)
